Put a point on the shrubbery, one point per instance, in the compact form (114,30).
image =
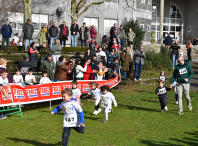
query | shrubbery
(158,61)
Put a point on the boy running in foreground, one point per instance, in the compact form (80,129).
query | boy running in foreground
(73,115)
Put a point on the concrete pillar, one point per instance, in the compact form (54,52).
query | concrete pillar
(161,20)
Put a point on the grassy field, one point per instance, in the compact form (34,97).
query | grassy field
(136,121)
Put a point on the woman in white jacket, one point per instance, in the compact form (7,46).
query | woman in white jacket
(80,70)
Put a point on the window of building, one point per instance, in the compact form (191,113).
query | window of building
(149,2)
(143,1)
(16,20)
(91,21)
(148,28)
(111,1)
(142,26)
(108,23)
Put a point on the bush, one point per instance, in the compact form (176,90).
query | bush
(139,34)
(158,61)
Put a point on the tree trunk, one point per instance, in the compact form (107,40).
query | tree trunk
(74,17)
(27,10)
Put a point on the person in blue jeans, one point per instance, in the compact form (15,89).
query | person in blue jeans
(6,31)
(53,31)
(175,53)
(74,31)
(122,36)
(139,61)
(28,30)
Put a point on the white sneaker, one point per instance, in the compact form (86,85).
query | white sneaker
(95,112)
(177,102)
(99,110)
(165,108)
(173,67)
(135,79)
(162,111)
(139,79)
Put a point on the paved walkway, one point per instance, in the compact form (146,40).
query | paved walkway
(194,80)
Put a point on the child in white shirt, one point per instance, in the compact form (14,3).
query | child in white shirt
(44,79)
(102,71)
(5,83)
(94,93)
(29,78)
(163,77)
(175,88)
(75,91)
(106,101)
(18,79)
(20,43)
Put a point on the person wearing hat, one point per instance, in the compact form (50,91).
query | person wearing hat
(139,61)
(48,66)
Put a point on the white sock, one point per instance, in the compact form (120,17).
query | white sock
(106,116)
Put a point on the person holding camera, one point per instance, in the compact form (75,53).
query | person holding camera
(175,53)
(139,61)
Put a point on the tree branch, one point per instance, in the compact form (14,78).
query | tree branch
(80,7)
(93,3)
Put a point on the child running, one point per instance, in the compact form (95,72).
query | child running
(175,88)
(75,91)
(106,101)
(94,93)
(161,91)
(73,115)
(163,77)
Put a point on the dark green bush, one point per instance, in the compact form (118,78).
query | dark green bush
(158,61)
(139,34)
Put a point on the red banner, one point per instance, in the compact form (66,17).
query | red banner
(47,92)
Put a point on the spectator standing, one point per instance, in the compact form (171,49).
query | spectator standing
(105,40)
(53,31)
(6,31)
(122,36)
(16,38)
(28,30)
(101,56)
(79,70)
(113,27)
(48,27)
(114,34)
(83,34)
(93,32)
(48,66)
(130,37)
(94,66)
(74,31)
(61,69)
(43,35)
(168,41)
(87,55)
(44,50)
(92,46)
(139,61)
(64,33)
(56,49)
(189,50)
(111,56)
(33,55)
(126,59)
(184,73)
(3,64)
(175,53)
(195,42)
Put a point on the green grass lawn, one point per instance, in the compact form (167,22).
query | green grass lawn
(137,121)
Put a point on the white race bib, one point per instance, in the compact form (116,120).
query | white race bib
(94,96)
(182,71)
(104,104)
(70,119)
(162,78)
(162,91)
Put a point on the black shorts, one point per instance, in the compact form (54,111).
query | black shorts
(130,43)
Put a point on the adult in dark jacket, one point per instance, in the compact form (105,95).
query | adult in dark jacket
(24,65)
(33,55)
(175,53)
(92,46)
(64,33)
(126,59)
(53,31)
(195,42)
(83,34)
(61,69)
(48,66)
(139,61)
(6,31)
(113,27)
(168,41)
(3,63)
(48,27)
(44,50)
(28,30)
(88,55)
(94,66)
(74,31)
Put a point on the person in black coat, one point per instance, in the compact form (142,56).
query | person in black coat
(64,33)
(53,31)
(74,31)
(83,34)
(175,53)
(92,46)
(168,41)
(94,66)
(88,55)
(33,55)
